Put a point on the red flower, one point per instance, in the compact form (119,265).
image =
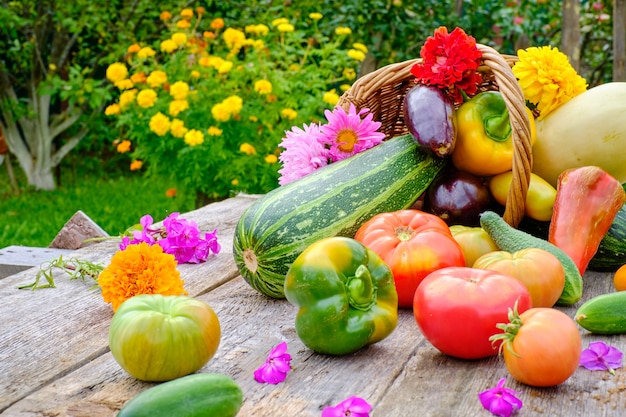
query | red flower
(450,61)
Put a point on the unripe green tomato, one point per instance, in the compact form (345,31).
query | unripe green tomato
(474,241)
(160,338)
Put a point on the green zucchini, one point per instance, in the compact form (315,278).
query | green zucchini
(611,253)
(333,201)
(510,239)
(196,395)
(603,314)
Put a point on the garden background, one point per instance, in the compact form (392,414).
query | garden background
(202,92)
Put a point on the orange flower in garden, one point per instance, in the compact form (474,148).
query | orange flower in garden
(138,78)
(123,146)
(171,193)
(200,10)
(136,165)
(183,24)
(165,15)
(134,48)
(186,13)
(140,269)
(217,23)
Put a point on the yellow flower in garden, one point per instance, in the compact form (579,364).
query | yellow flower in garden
(146,52)
(140,269)
(234,104)
(160,124)
(349,74)
(279,21)
(116,72)
(186,13)
(177,106)
(134,48)
(138,78)
(360,47)
(195,74)
(124,84)
(217,23)
(288,114)
(183,24)
(220,112)
(224,67)
(235,181)
(271,159)
(294,67)
(156,78)
(356,54)
(214,131)
(127,97)
(168,46)
(260,29)
(123,146)
(179,38)
(177,128)
(234,38)
(315,16)
(342,30)
(263,87)
(179,90)
(547,78)
(253,119)
(344,87)
(52,67)
(258,44)
(331,97)
(247,149)
(286,27)
(165,15)
(112,109)
(146,98)
(134,166)
(194,137)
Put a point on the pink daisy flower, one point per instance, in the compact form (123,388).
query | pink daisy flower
(346,134)
(303,154)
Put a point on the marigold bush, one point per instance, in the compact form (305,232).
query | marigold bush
(209,103)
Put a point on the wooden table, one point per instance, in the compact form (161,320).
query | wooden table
(55,359)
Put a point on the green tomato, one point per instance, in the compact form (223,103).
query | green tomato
(160,338)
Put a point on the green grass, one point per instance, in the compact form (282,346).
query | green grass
(33,218)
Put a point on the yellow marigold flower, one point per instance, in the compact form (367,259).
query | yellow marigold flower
(233,104)
(138,78)
(179,38)
(258,44)
(165,15)
(123,146)
(220,112)
(177,106)
(331,97)
(140,269)
(183,24)
(288,114)
(168,46)
(342,30)
(247,149)
(279,21)
(315,16)
(127,97)
(271,159)
(356,54)
(134,166)
(160,124)
(344,87)
(224,67)
(146,52)
(214,131)
(217,23)
(195,74)
(124,84)
(112,109)
(349,74)
(194,137)
(261,29)
(360,47)
(235,181)
(156,78)
(133,49)
(178,129)
(547,78)
(205,61)
(286,27)
(116,72)
(179,90)
(253,119)
(263,87)
(233,38)
(186,13)
(146,98)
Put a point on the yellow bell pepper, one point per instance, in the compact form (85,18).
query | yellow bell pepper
(484,145)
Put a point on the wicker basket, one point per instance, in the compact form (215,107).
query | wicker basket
(383,90)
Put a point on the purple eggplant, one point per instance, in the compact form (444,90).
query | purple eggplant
(430,117)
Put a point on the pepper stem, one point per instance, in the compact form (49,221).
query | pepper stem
(498,127)
(361,290)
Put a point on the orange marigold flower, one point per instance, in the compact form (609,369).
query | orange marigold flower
(134,48)
(136,165)
(186,13)
(217,23)
(140,269)
(171,193)
(123,146)
(183,24)
(165,15)
(200,10)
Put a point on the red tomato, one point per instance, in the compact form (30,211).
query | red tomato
(413,243)
(538,269)
(458,308)
(547,348)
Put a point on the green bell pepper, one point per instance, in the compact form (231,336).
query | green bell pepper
(346,296)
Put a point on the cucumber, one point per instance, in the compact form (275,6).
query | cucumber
(196,395)
(333,201)
(603,314)
(611,253)
(509,239)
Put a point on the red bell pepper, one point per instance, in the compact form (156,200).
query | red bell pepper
(587,201)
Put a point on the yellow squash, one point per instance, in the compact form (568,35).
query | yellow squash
(590,129)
